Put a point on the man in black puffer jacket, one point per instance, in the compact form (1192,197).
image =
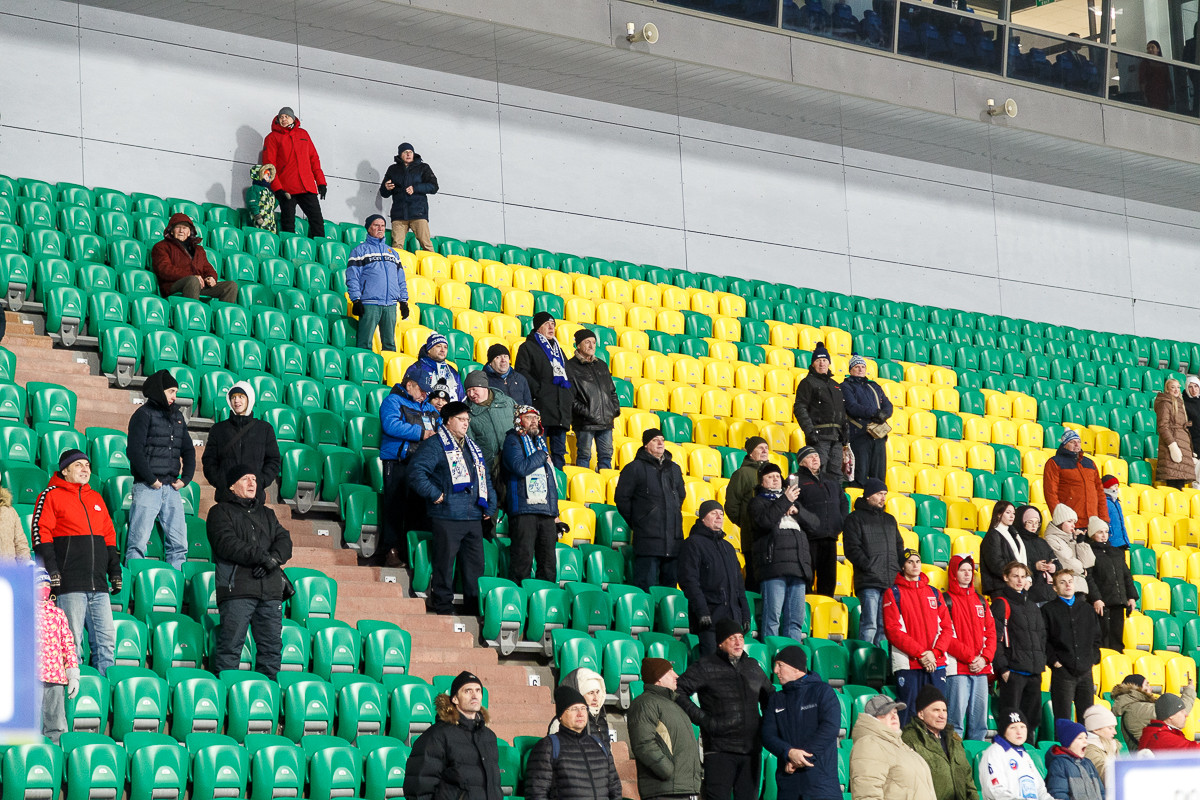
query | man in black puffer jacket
(874,546)
(1020,646)
(163,462)
(571,764)
(823,496)
(242,439)
(820,411)
(710,577)
(250,548)
(458,757)
(650,495)
(544,364)
(733,691)
(596,403)
(1072,647)
(408,182)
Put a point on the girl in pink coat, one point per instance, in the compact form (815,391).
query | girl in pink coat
(58,662)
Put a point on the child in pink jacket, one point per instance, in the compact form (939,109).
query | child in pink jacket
(58,662)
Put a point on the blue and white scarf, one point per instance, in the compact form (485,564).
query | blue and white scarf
(537,483)
(557,364)
(460,476)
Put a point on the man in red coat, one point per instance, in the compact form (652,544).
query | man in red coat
(917,624)
(299,178)
(1165,732)
(970,651)
(181,266)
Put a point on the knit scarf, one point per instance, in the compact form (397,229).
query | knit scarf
(460,476)
(537,483)
(443,374)
(557,364)
(1018,546)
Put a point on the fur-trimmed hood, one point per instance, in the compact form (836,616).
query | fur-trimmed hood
(448,712)
(5,498)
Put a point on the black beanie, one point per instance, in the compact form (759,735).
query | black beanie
(928,695)
(453,409)
(371,219)
(707,507)
(497,350)
(565,697)
(753,442)
(794,656)
(582,335)
(726,627)
(650,433)
(235,473)
(1009,717)
(405,146)
(464,678)
(766,469)
(69,457)
(541,318)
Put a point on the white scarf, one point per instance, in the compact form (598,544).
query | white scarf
(1015,542)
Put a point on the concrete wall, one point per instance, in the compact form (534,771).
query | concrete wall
(111,99)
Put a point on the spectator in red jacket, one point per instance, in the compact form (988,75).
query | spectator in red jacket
(969,652)
(181,265)
(917,625)
(1165,732)
(299,178)
(1071,478)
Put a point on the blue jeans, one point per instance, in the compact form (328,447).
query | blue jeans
(164,504)
(967,701)
(91,610)
(870,620)
(783,607)
(604,448)
(556,438)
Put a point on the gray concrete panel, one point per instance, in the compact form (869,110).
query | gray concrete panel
(1067,306)
(38,61)
(916,284)
(594,236)
(814,269)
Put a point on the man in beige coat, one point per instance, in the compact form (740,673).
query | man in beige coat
(882,766)
(13,544)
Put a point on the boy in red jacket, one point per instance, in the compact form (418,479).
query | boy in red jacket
(970,651)
(917,624)
(1166,731)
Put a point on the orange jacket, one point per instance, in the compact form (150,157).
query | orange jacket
(1073,480)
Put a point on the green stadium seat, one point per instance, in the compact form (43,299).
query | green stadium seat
(158,766)
(277,767)
(253,703)
(31,771)
(621,659)
(198,701)
(670,610)
(139,700)
(200,587)
(308,705)
(137,283)
(156,589)
(25,483)
(361,707)
(88,710)
(548,610)
(86,247)
(315,597)
(12,403)
(574,649)
(386,759)
(220,766)
(386,649)
(334,767)
(176,641)
(335,647)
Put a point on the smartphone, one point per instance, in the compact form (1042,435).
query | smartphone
(793,480)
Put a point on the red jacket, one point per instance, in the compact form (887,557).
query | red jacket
(974,628)
(171,260)
(1074,480)
(918,622)
(1158,735)
(297,165)
(73,535)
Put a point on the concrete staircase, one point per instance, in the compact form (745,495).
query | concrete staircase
(440,645)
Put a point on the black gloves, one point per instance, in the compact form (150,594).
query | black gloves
(55,580)
(562,528)
(265,567)
(746,628)
(403,309)
(705,623)
(115,582)
(321,190)
(357,308)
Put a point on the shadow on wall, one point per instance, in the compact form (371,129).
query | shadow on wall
(366,200)
(245,155)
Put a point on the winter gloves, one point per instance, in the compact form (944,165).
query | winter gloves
(704,623)
(267,565)
(1176,455)
(356,308)
(404,309)
(55,580)
(321,190)
(114,581)
(73,682)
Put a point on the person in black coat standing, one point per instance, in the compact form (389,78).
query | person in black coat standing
(250,548)
(823,496)
(1113,583)
(459,755)
(1072,647)
(409,181)
(544,364)
(710,577)
(1020,646)
(800,728)
(649,496)
(781,557)
(874,546)
(866,404)
(596,403)
(571,764)
(242,439)
(733,691)
(820,411)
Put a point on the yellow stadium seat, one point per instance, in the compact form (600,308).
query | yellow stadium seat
(777,408)
(702,302)
(778,357)
(517,303)
(899,478)
(689,370)
(837,341)
(640,318)
(617,290)
(1024,407)
(683,399)
(1193,567)
(1176,503)
(942,376)
(1160,532)
(1180,670)
(1033,459)
(1029,434)
(582,521)
(434,266)
(945,399)
(961,514)
(1151,502)
(918,395)
(720,486)
(647,294)
(651,396)
(746,405)
(421,290)
(748,377)
(472,322)
(675,299)
(580,311)
(678,456)
(929,480)
(696,492)
(807,336)
(1108,443)
(1154,670)
(657,367)
(583,485)
(952,454)
(497,274)
(895,392)
(902,508)
(395,367)
(937,576)
(727,329)
(482,343)
(1037,493)
(505,326)
(845,579)
(981,456)
(704,462)
(1156,596)
(984,508)
(910,539)
(916,373)
(776,435)
(778,381)
(633,339)
(1004,431)
(668,321)
(967,544)
(898,445)
(960,484)
(465,270)
(922,451)
(1136,528)
(610,314)
(717,373)
(830,619)
(730,305)
(782,334)
(409,261)
(710,431)
(1194,496)
(1114,667)
(413,339)
(922,423)
(997,404)
(638,421)
(624,363)
(1171,564)
(742,429)
(716,403)
(899,419)
(586,286)
(527,279)
(1139,631)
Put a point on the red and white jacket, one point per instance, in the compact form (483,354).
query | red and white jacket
(56,645)
(915,619)
(973,626)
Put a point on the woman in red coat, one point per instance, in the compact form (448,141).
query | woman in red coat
(299,178)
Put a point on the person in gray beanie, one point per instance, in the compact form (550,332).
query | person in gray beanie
(711,578)
(299,179)
(409,182)
(867,410)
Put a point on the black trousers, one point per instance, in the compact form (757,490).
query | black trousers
(727,774)
(824,563)
(1066,689)
(533,536)
(461,542)
(310,204)
(1112,628)
(870,455)
(393,508)
(265,618)
(1022,692)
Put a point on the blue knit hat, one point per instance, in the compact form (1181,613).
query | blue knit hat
(1069,436)
(820,352)
(1067,731)
(371,219)
(435,339)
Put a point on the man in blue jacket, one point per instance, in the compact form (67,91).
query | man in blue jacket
(449,474)
(375,283)
(532,503)
(407,419)
(800,727)
(432,371)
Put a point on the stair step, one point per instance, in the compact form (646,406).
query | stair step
(321,557)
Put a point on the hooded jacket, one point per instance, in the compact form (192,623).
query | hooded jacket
(805,713)
(732,694)
(711,578)
(584,769)
(456,758)
(429,477)
(159,446)
(916,619)
(1073,480)
(742,487)
(420,177)
(872,543)
(650,496)
(13,545)
(1075,555)
(1020,633)
(663,745)
(243,533)
(1072,635)
(297,165)
(425,370)
(557,403)
(1173,429)
(512,383)
(819,408)
(948,766)
(242,439)
(1159,736)
(583,680)
(173,260)
(780,552)
(883,767)
(515,466)
(1110,577)
(974,628)
(823,496)
(1036,549)
(490,423)
(1118,536)
(73,535)
(1008,773)
(1102,754)
(375,275)
(404,422)
(995,553)
(1135,708)
(865,403)
(596,404)
(1072,777)
(57,652)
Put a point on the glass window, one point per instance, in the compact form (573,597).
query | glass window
(864,22)
(963,40)
(764,12)
(1153,83)
(1065,62)
(1064,17)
